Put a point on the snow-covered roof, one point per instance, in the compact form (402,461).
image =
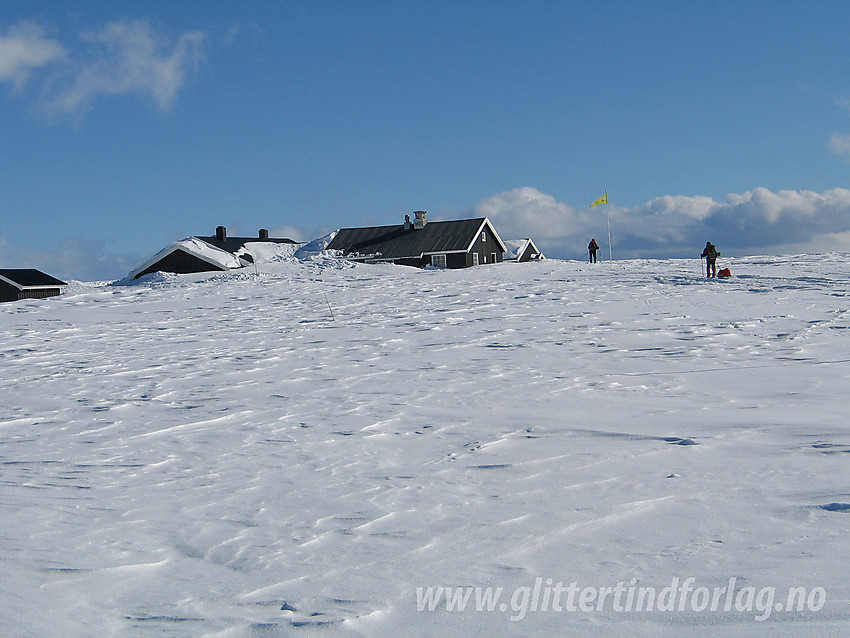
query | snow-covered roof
(516,247)
(220,259)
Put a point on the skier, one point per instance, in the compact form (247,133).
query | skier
(592,247)
(710,254)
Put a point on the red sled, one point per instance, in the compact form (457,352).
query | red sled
(724,272)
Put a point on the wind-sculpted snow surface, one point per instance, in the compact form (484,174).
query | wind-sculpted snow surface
(307,449)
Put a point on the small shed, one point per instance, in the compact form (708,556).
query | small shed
(447,244)
(28,283)
(520,250)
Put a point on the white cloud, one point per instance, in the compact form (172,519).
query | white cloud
(120,58)
(129,57)
(761,206)
(528,212)
(840,145)
(24,48)
(697,206)
(757,221)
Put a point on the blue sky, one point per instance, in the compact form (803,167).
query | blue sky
(128,125)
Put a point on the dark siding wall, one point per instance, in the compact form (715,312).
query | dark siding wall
(453,260)
(8,292)
(458,260)
(493,247)
(413,261)
(42,293)
(179,262)
(487,247)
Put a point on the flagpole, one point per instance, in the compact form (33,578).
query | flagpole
(608,216)
(604,200)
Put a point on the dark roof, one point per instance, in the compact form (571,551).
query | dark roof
(233,244)
(394,242)
(29,278)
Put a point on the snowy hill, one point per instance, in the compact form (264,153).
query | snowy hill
(320,448)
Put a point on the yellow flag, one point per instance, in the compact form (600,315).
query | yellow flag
(601,200)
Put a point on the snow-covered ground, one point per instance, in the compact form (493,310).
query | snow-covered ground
(308,449)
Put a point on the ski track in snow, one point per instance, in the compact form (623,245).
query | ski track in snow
(215,455)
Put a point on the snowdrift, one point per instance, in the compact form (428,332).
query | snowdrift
(320,448)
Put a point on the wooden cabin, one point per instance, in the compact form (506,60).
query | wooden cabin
(28,283)
(446,244)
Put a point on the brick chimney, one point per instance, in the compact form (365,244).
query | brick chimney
(264,233)
(421,220)
(221,233)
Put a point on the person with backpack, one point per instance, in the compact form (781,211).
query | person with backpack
(710,254)
(592,247)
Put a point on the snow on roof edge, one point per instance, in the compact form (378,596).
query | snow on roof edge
(198,248)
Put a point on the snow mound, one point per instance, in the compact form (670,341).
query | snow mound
(317,247)
(263,252)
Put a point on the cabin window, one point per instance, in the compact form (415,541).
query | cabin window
(475,259)
(483,236)
(438,261)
